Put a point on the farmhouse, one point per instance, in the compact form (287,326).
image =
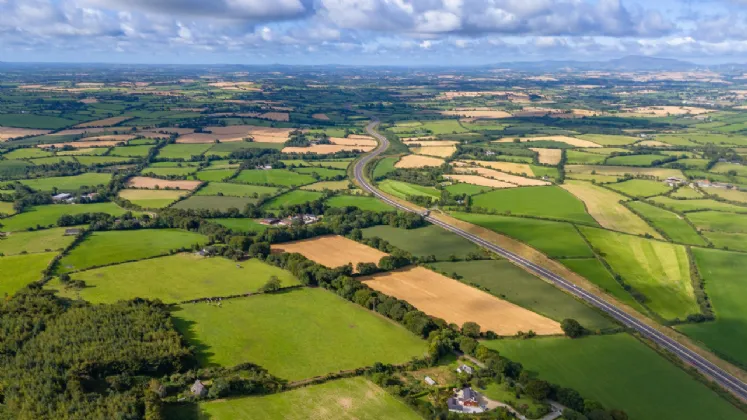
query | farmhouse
(465,400)
(61,197)
(673,181)
(198,389)
(708,184)
(465,369)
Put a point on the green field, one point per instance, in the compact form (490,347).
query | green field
(335,164)
(54,160)
(694,205)
(328,185)
(431,127)
(673,225)
(726,286)
(39,241)
(68,183)
(179,277)
(609,140)
(723,167)
(640,188)
(716,220)
(6,208)
(424,241)
(507,281)
(280,177)
(215,174)
(295,335)
(555,239)
(361,202)
(544,202)
(728,241)
(20,270)
(468,189)
(43,122)
(241,225)
(322,173)
(13,168)
(584,158)
(45,216)
(686,192)
(619,372)
(691,163)
(634,160)
(101,160)
(131,151)
(104,248)
(344,399)
(403,189)
(151,199)
(236,190)
(385,166)
(222,203)
(166,172)
(659,270)
(27,153)
(292,198)
(183,151)
(593,270)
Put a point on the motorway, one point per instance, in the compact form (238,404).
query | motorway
(723,378)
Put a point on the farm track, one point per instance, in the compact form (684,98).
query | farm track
(690,357)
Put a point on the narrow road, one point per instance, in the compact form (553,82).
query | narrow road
(688,356)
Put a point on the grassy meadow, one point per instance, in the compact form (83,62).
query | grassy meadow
(542,202)
(424,241)
(46,216)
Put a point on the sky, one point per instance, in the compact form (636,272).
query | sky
(369,32)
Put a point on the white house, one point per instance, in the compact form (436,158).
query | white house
(465,369)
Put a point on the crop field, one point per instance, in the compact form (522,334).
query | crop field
(32,242)
(403,189)
(604,205)
(731,195)
(295,335)
(695,205)
(660,173)
(686,193)
(500,176)
(323,173)
(424,241)
(468,189)
(328,185)
(332,251)
(292,198)
(68,183)
(723,167)
(618,371)
(222,203)
(13,168)
(216,175)
(437,151)
(169,171)
(503,279)
(673,225)
(344,399)
(543,202)
(101,160)
(34,121)
(151,199)
(480,181)
(131,151)
(572,141)
(719,221)
(20,270)
(236,190)
(609,140)
(640,188)
(510,167)
(6,208)
(361,202)
(723,274)
(555,239)
(27,153)
(241,225)
(659,270)
(45,216)
(105,248)
(548,156)
(634,160)
(455,302)
(156,183)
(417,161)
(183,151)
(279,177)
(180,277)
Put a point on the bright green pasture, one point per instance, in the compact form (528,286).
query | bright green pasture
(323,173)
(68,183)
(593,270)
(725,168)
(640,187)
(686,192)
(672,224)
(716,220)
(292,198)
(111,247)
(241,225)
(20,270)
(45,216)
(404,189)
(385,166)
(584,158)
(236,190)
(166,172)
(280,177)
(215,174)
(208,202)
(634,160)
(344,399)
(691,163)
(658,270)
(295,335)
(609,139)
(424,241)
(507,281)
(131,151)
(335,164)
(6,208)
(27,153)
(468,189)
(42,122)
(328,185)
(555,239)
(183,151)
(13,168)
(174,279)
(101,160)
(694,205)
(151,199)
(545,202)
(361,202)
(619,372)
(38,241)
(54,160)
(729,241)
(726,286)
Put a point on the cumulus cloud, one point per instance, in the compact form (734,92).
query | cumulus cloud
(255,10)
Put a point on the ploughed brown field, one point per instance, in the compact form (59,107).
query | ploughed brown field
(457,303)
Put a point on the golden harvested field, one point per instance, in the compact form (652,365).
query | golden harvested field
(106,122)
(663,111)
(418,161)
(477,113)
(332,251)
(359,137)
(152,183)
(80,144)
(479,180)
(661,173)
(320,117)
(604,206)
(514,168)
(465,94)
(439,151)
(653,143)
(457,303)
(501,176)
(275,116)
(324,149)
(7,133)
(548,156)
(431,143)
(563,139)
(89,101)
(234,133)
(246,86)
(353,141)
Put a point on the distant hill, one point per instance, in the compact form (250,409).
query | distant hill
(627,63)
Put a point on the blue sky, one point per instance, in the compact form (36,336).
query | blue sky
(398,32)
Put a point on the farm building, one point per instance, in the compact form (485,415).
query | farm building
(62,197)
(429,381)
(465,369)
(673,181)
(198,389)
(72,231)
(466,400)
